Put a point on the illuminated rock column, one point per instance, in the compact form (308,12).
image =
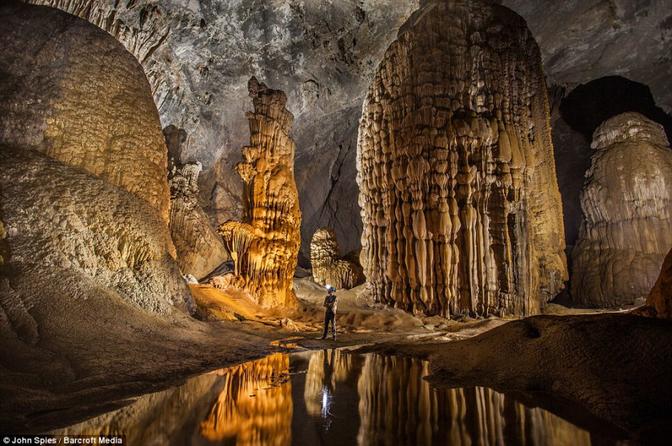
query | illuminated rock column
(265,246)
(460,203)
(328,267)
(627,208)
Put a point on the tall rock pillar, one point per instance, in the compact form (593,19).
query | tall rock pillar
(458,192)
(627,209)
(265,246)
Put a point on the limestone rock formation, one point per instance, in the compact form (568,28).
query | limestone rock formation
(77,95)
(627,207)
(323,55)
(328,266)
(99,210)
(72,234)
(660,297)
(264,246)
(199,248)
(460,205)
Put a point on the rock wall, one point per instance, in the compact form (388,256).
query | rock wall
(460,204)
(660,297)
(328,266)
(72,92)
(199,248)
(84,190)
(265,246)
(627,207)
(77,234)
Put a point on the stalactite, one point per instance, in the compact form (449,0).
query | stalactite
(265,246)
(328,266)
(627,207)
(460,203)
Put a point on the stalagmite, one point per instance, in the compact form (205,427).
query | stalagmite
(460,203)
(328,267)
(627,208)
(264,247)
(199,249)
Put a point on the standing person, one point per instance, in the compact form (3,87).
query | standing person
(330,305)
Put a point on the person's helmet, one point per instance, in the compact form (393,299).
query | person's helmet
(330,288)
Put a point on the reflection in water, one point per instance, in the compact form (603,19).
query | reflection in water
(330,397)
(255,405)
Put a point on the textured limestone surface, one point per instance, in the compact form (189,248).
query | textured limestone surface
(660,297)
(329,267)
(80,235)
(199,56)
(72,92)
(199,248)
(265,245)
(460,204)
(627,206)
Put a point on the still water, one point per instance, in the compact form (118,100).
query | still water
(329,397)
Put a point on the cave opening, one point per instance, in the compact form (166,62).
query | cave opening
(590,104)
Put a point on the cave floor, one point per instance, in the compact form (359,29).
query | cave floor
(596,361)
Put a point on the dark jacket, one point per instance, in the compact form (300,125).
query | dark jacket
(330,303)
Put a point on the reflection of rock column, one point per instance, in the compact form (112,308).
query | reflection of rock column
(265,246)
(627,207)
(325,369)
(328,267)
(460,205)
(255,406)
(397,406)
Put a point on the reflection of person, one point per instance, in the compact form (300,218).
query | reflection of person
(330,312)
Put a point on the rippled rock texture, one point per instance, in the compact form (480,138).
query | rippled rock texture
(76,234)
(328,266)
(460,206)
(89,198)
(264,247)
(627,206)
(75,94)
(199,248)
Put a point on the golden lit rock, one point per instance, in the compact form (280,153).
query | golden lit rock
(460,203)
(85,101)
(627,207)
(255,406)
(265,246)
(328,266)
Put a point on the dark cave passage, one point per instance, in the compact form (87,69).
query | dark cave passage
(592,103)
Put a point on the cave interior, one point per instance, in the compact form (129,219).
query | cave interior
(469,200)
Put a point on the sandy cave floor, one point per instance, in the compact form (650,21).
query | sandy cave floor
(60,388)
